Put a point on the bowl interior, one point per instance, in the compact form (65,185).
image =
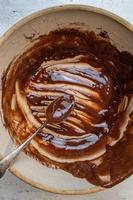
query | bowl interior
(14,43)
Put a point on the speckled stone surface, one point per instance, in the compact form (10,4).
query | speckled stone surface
(11,11)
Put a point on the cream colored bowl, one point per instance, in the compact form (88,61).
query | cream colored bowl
(15,42)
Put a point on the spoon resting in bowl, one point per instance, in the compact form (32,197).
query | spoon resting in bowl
(56,112)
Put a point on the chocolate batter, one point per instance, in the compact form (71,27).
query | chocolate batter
(95,82)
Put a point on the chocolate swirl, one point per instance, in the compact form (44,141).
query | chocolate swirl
(102,110)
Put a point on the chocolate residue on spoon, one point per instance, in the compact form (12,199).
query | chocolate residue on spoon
(60,109)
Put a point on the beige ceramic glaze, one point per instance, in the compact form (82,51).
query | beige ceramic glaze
(14,42)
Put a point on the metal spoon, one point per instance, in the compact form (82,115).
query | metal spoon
(56,112)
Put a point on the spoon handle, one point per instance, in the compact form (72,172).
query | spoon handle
(8,160)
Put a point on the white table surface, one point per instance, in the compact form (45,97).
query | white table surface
(11,188)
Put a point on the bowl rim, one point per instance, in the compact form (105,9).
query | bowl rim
(48,10)
(30,17)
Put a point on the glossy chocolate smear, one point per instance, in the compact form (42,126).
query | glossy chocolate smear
(86,77)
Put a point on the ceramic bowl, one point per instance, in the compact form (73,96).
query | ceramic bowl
(15,41)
